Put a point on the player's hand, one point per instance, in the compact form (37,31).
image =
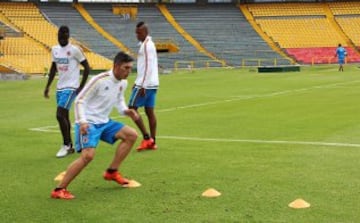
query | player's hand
(142,92)
(46,93)
(84,128)
(132,114)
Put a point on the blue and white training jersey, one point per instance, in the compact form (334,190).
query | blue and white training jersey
(67,60)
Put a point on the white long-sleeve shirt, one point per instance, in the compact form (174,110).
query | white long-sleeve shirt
(147,65)
(67,60)
(99,96)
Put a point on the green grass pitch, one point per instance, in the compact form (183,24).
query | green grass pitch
(262,140)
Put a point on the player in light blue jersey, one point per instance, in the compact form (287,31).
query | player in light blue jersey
(66,59)
(341,55)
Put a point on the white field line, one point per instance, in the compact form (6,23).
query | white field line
(296,90)
(260,141)
(249,97)
(50,129)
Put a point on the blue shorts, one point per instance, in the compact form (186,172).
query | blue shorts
(341,61)
(148,100)
(96,132)
(65,98)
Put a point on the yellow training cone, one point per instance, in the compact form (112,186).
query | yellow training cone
(211,192)
(299,203)
(132,183)
(60,176)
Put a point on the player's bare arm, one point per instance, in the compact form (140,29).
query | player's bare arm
(50,80)
(85,75)
(132,114)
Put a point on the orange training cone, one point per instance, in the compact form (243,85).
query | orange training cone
(211,192)
(60,176)
(132,184)
(299,203)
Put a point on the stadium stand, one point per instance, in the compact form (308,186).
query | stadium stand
(203,35)
(347,15)
(223,30)
(99,29)
(19,51)
(163,9)
(102,14)
(124,30)
(91,41)
(2,32)
(301,32)
(350,25)
(9,31)
(39,36)
(345,7)
(285,9)
(306,31)
(30,52)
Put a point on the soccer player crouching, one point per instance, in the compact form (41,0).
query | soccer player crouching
(92,109)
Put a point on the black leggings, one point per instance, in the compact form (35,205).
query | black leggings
(62,115)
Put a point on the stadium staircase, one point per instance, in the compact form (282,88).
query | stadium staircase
(96,60)
(98,28)
(332,21)
(123,28)
(65,14)
(347,16)
(186,35)
(261,33)
(224,31)
(306,31)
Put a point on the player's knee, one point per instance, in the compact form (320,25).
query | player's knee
(132,135)
(127,134)
(87,157)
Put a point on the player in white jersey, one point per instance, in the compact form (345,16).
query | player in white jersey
(146,85)
(66,59)
(92,109)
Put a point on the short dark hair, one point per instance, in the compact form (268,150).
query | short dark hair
(122,57)
(64,29)
(139,24)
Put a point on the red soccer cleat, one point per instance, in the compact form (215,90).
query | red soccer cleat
(153,146)
(116,176)
(62,194)
(147,144)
